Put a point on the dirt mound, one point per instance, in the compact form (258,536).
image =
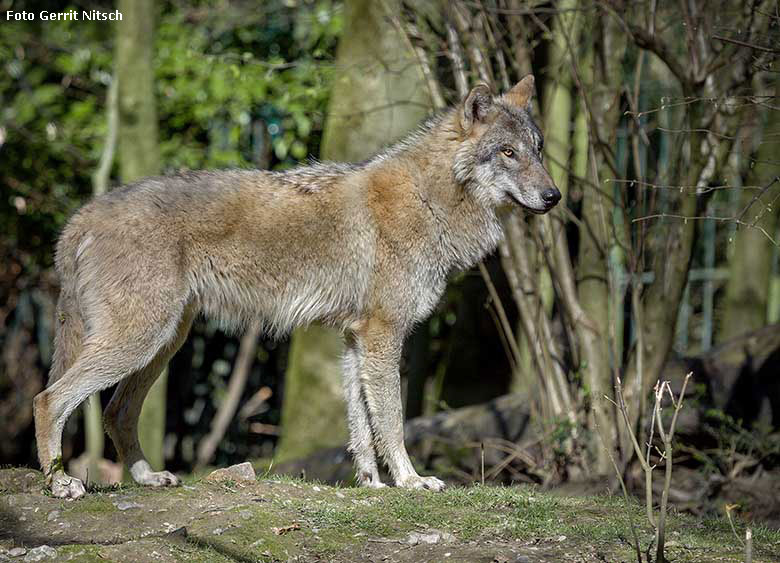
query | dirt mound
(289,520)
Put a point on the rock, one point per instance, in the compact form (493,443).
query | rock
(241,472)
(179,533)
(53,515)
(127,505)
(429,537)
(40,553)
(17,551)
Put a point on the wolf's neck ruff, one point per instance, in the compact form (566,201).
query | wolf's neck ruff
(434,164)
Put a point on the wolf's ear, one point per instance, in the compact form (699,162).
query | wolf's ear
(521,93)
(476,106)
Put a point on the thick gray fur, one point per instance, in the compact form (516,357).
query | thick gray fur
(364,247)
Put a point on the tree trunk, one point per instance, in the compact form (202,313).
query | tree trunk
(558,104)
(586,304)
(595,237)
(379,96)
(750,265)
(670,242)
(139,157)
(313,413)
(557,99)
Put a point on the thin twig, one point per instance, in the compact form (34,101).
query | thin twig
(227,408)
(756,197)
(621,404)
(101,175)
(501,312)
(667,439)
(456,56)
(653,43)
(482,461)
(408,31)
(745,44)
(625,493)
(704,217)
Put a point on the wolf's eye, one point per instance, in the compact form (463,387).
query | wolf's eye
(540,146)
(509,153)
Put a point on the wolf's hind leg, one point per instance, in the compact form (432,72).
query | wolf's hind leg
(361,441)
(68,341)
(98,366)
(121,416)
(121,422)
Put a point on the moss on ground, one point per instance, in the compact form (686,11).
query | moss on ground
(287,519)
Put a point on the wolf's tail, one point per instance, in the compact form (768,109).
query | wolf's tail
(69,324)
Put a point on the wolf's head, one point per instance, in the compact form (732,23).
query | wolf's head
(500,156)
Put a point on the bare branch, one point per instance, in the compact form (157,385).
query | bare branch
(500,311)
(409,32)
(645,463)
(228,406)
(456,56)
(667,439)
(756,197)
(100,177)
(746,44)
(655,45)
(704,217)
(625,492)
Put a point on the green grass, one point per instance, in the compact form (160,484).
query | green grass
(81,553)
(520,513)
(96,503)
(337,523)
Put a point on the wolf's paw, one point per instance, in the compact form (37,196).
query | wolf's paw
(158,479)
(417,482)
(370,481)
(65,486)
(142,474)
(372,484)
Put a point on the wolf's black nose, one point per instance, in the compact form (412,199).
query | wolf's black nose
(551,196)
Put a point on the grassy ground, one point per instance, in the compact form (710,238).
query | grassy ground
(291,520)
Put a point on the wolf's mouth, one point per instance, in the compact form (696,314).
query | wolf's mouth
(531,209)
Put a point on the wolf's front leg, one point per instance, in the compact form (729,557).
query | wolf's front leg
(361,441)
(380,346)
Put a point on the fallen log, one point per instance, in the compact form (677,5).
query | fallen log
(448,442)
(740,377)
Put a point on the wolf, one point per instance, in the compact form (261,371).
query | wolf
(363,247)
